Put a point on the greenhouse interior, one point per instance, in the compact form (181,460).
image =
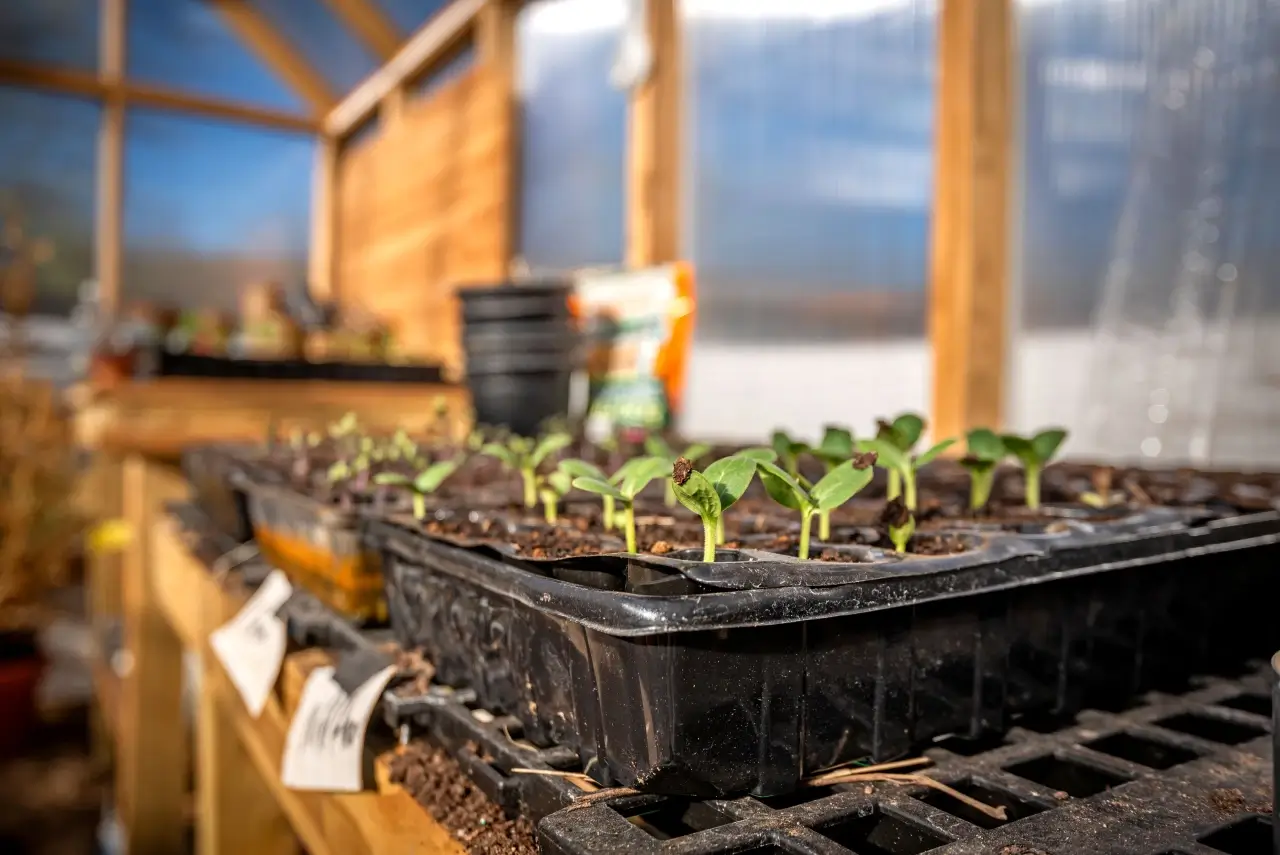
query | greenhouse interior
(876,399)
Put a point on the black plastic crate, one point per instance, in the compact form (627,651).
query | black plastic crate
(1110,783)
(746,676)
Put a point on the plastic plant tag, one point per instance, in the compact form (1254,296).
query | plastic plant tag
(251,645)
(324,748)
(638,325)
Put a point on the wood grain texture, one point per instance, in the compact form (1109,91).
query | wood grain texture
(381,820)
(653,143)
(969,269)
(424,205)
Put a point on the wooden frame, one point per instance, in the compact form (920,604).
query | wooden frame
(370,25)
(247,22)
(969,253)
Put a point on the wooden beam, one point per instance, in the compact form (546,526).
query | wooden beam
(435,39)
(496,49)
(372,27)
(653,147)
(323,219)
(969,266)
(87,85)
(253,28)
(109,198)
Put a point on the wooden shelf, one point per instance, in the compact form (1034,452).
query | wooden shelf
(171,603)
(159,418)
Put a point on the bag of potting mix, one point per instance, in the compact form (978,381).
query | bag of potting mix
(638,327)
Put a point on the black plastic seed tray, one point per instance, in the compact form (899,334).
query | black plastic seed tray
(169,364)
(1177,775)
(212,471)
(747,675)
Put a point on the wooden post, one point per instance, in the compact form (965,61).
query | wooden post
(496,46)
(110,172)
(151,763)
(653,143)
(324,195)
(969,265)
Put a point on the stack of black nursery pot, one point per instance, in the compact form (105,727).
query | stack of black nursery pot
(521,346)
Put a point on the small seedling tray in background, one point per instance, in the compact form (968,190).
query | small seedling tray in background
(225,368)
(726,685)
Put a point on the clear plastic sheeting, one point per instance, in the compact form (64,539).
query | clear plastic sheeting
(1181,362)
(809,169)
(810,162)
(573,142)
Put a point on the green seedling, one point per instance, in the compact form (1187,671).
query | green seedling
(630,479)
(423,484)
(551,489)
(832,490)
(709,494)
(986,450)
(525,456)
(1102,496)
(902,464)
(339,471)
(656,446)
(582,469)
(1034,453)
(902,433)
(900,522)
(344,427)
(788,451)
(836,447)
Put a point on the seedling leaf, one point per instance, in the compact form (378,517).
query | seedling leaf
(839,486)
(645,470)
(908,427)
(582,469)
(836,445)
(430,479)
(986,445)
(768,455)
(888,455)
(560,481)
(1047,442)
(501,452)
(600,488)
(934,452)
(730,476)
(696,451)
(656,446)
(547,446)
(390,478)
(781,487)
(1020,448)
(699,495)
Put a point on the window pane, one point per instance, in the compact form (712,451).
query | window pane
(322,40)
(184,44)
(809,161)
(810,138)
(574,133)
(58,32)
(409,15)
(48,153)
(211,207)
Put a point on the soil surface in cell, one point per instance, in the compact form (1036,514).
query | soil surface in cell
(438,783)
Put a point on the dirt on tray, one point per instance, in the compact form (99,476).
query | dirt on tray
(438,783)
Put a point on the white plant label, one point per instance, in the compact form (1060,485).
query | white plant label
(324,748)
(251,645)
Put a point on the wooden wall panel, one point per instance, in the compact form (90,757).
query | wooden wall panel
(423,205)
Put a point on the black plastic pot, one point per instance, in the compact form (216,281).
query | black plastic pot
(526,301)
(521,349)
(212,473)
(674,676)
